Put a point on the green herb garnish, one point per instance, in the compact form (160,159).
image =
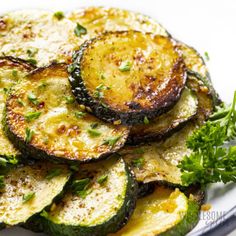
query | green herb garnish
(28,135)
(138,162)
(102,179)
(31,53)
(80,187)
(32,98)
(53,173)
(125,66)
(32,61)
(80,30)
(211,160)
(80,114)
(14,73)
(206,56)
(27,197)
(94,132)
(69,99)
(99,90)
(146,121)
(59,15)
(94,125)
(30,116)
(111,141)
(20,102)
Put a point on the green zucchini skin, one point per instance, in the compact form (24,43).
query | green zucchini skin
(135,115)
(145,189)
(110,226)
(165,125)
(68,152)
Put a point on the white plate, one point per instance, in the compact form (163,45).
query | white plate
(207,26)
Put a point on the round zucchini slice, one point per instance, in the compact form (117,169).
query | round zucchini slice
(29,189)
(164,212)
(197,67)
(164,125)
(52,125)
(11,71)
(38,36)
(128,77)
(158,161)
(101,19)
(100,201)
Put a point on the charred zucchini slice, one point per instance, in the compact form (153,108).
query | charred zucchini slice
(197,67)
(128,76)
(164,212)
(37,36)
(158,161)
(29,189)
(52,125)
(184,110)
(101,200)
(101,19)
(11,71)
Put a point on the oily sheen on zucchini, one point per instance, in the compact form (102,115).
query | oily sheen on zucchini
(37,36)
(50,124)
(164,212)
(101,200)
(184,110)
(124,77)
(158,161)
(103,19)
(29,189)
(11,71)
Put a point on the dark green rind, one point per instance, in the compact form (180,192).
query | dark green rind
(111,226)
(188,223)
(144,189)
(105,113)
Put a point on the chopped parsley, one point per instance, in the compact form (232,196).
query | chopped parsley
(14,73)
(33,99)
(102,179)
(32,61)
(80,114)
(99,90)
(80,187)
(20,102)
(28,135)
(206,56)
(53,173)
(69,99)
(59,15)
(27,197)
(30,116)
(146,120)
(138,162)
(80,30)
(31,53)
(94,132)
(125,66)
(111,141)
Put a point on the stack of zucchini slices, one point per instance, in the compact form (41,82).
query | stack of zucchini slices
(90,143)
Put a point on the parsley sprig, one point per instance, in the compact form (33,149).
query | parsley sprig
(212,159)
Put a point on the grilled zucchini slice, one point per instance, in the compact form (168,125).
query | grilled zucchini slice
(37,36)
(197,67)
(52,125)
(101,19)
(101,200)
(164,212)
(158,161)
(29,189)
(184,110)
(128,77)
(11,71)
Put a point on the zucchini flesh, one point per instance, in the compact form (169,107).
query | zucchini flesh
(123,76)
(158,161)
(38,36)
(160,213)
(102,19)
(22,181)
(52,125)
(11,70)
(184,110)
(106,206)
